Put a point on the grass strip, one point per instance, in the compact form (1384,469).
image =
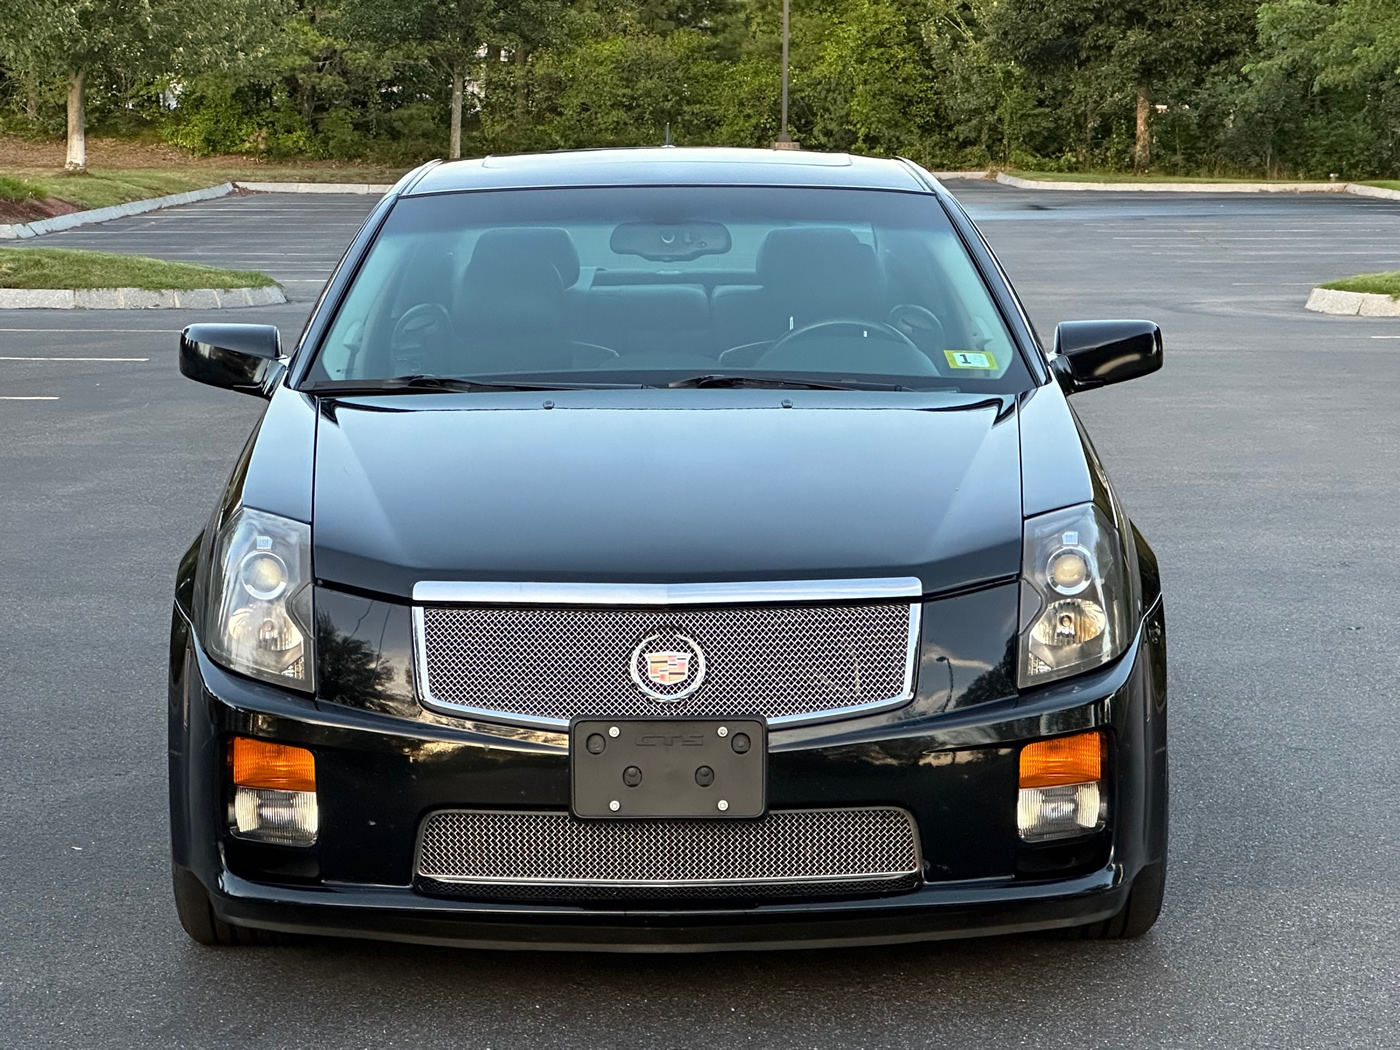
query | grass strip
(1100,176)
(13,189)
(102,189)
(71,268)
(1374,283)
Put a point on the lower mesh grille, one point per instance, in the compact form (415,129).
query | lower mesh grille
(555,856)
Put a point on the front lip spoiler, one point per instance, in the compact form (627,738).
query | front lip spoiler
(936,912)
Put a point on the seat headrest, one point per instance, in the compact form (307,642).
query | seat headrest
(824,254)
(509,245)
(520,294)
(819,271)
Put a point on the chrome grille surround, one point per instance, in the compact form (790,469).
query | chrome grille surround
(541,655)
(867,849)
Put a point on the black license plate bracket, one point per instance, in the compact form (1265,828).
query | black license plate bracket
(680,768)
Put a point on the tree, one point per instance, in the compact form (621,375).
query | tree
(453,34)
(71,39)
(1324,92)
(1110,51)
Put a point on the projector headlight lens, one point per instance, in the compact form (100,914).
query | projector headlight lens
(260,620)
(1074,595)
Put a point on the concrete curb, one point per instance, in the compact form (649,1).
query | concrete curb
(1354,188)
(313,187)
(1174,187)
(25,230)
(136,298)
(1352,304)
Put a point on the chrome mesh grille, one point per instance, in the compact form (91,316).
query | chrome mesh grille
(827,850)
(548,664)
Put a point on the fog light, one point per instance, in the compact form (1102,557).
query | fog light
(287,818)
(274,797)
(1055,812)
(1062,792)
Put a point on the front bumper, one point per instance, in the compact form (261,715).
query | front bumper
(380,775)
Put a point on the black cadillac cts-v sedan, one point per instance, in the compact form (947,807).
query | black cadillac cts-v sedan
(668,549)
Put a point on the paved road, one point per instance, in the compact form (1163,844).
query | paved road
(1262,462)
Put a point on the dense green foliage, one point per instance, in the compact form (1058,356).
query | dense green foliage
(1282,88)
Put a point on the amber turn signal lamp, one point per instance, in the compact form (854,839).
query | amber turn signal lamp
(1074,759)
(263,764)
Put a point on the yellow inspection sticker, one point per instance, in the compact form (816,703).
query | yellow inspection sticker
(969,359)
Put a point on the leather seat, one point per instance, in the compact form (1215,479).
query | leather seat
(510,310)
(654,320)
(806,275)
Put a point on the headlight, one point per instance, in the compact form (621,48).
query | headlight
(260,620)
(1074,595)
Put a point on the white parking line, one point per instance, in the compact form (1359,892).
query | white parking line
(5,397)
(98,331)
(74,358)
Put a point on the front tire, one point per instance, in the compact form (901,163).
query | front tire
(1138,913)
(198,918)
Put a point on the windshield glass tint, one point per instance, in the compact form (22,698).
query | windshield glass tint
(656,284)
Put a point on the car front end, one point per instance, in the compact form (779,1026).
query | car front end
(666,664)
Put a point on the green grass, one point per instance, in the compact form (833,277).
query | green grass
(1098,176)
(378,175)
(1375,283)
(12,189)
(69,268)
(102,189)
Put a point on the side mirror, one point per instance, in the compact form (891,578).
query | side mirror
(1090,354)
(242,357)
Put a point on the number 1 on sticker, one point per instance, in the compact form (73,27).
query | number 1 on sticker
(969,359)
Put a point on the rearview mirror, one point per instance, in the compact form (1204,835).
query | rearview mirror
(1091,354)
(242,357)
(670,242)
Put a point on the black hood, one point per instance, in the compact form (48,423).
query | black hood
(460,488)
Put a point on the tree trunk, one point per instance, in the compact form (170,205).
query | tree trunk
(77,121)
(31,101)
(454,148)
(1142,157)
(521,96)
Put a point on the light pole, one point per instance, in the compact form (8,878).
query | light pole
(784,139)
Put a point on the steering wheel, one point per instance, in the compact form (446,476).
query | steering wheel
(421,327)
(892,350)
(921,325)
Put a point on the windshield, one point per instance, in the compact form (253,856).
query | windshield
(672,285)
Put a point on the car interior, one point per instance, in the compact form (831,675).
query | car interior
(640,296)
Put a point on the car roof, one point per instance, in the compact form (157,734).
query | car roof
(669,166)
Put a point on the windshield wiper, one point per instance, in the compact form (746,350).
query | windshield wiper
(429,384)
(742,379)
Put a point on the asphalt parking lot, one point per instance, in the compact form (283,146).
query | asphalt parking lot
(1262,463)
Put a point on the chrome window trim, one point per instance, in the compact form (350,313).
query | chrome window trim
(492,715)
(486,592)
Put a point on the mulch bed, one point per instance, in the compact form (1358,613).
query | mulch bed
(34,209)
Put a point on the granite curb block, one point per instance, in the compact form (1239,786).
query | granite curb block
(1352,304)
(313,187)
(24,230)
(136,298)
